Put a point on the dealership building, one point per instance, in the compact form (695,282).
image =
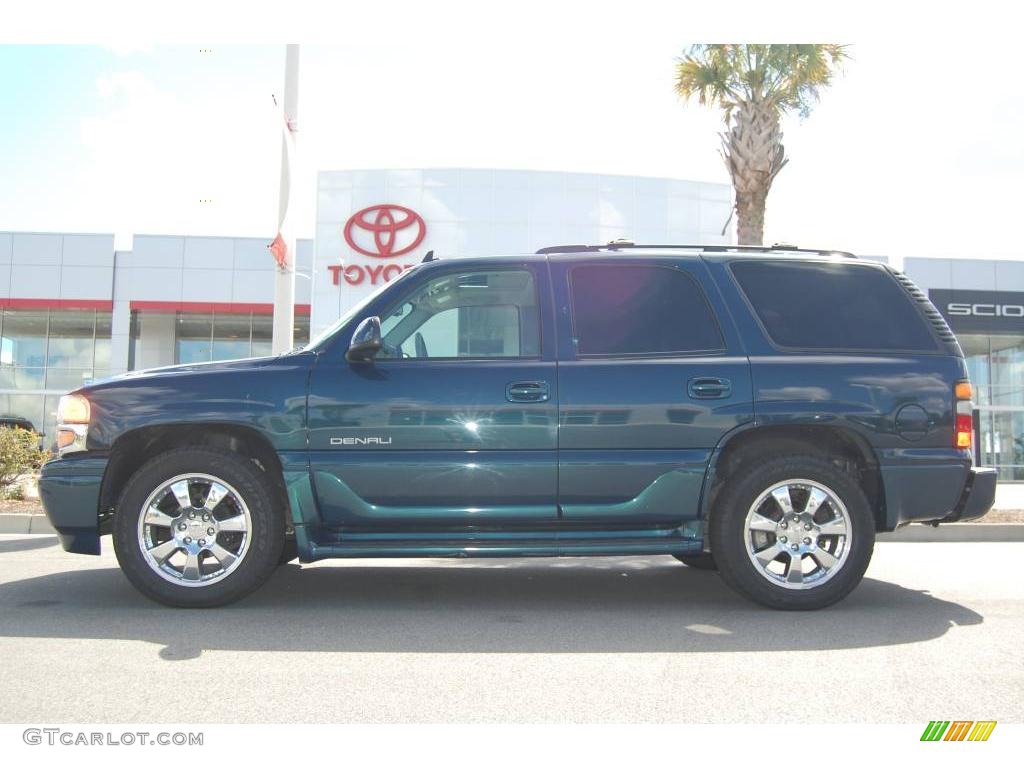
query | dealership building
(75,309)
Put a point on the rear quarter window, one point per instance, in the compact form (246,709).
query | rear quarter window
(832,306)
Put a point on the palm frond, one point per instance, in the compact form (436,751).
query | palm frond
(787,77)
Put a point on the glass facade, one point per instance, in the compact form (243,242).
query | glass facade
(43,354)
(996,366)
(200,337)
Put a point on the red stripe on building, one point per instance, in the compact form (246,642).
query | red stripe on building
(224,308)
(57,304)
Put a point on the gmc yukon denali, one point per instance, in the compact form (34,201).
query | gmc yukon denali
(758,411)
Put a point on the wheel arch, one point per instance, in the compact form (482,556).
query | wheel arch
(842,445)
(134,448)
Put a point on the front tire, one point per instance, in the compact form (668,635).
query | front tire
(793,533)
(197,528)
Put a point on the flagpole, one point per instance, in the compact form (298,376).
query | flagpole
(283,247)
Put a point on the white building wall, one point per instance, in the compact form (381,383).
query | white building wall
(471,212)
(56,266)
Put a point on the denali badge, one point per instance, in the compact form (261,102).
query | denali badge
(360,441)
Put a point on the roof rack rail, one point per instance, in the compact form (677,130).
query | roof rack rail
(625,245)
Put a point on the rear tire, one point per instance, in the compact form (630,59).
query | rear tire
(793,533)
(705,561)
(197,528)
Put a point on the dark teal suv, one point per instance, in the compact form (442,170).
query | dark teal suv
(762,412)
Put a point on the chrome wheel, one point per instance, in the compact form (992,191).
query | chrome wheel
(798,534)
(194,530)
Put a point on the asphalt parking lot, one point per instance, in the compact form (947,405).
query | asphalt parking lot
(933,632)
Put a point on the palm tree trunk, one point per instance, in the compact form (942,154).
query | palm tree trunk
(750,216)
(753,153)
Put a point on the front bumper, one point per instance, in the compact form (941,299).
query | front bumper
(70,492)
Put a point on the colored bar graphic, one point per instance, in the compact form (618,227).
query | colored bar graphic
(982,730)
(958,730)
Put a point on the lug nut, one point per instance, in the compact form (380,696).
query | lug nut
(783,525)
(191,515)
(807,541)
(794,547)
(202,542)
(210,531)
(188,539)
(182,526)
(796,518)
(205,517)
(782,539)
(807,527)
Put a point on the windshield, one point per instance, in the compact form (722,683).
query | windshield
(327,334)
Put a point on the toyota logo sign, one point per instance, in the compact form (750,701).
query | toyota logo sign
(385,231)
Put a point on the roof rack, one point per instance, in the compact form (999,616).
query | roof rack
(622,245)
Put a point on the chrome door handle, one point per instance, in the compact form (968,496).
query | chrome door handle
(708,387)
(527,392)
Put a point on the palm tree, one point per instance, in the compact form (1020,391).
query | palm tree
(755,85)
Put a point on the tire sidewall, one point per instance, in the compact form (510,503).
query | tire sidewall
(266,537)
(727,527)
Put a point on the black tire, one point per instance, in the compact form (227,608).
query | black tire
(705,561)
(729,537)
(265,528)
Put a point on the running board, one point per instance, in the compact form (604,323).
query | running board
(661,545)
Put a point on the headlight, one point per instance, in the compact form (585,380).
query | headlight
(73,409)
(72,424)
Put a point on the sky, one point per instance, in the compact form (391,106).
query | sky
(915,151)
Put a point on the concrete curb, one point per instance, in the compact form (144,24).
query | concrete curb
(959,532)
(953,532)
(12,523)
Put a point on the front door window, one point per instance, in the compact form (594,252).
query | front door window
(485,314)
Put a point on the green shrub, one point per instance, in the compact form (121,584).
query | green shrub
(13,493)
(20,454)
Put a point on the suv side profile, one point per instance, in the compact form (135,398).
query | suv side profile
(759,411)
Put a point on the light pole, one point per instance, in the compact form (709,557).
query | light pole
(283,246)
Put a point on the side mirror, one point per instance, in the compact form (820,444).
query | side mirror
(366,341)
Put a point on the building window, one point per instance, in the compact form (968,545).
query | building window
(159,338)
(45,353)
(995,364)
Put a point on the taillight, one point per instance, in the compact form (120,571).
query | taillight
(964,415)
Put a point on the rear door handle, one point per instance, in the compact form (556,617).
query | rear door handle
(708,387)
(527,392)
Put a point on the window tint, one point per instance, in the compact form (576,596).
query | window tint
(474,314)
(637,310)
(832,306)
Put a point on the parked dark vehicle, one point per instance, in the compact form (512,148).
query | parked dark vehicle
(18,422)
(760,411)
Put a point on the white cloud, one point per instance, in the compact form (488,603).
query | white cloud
(128,48)
(199,162)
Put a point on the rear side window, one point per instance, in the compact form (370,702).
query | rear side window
(832,306)
(640,310)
